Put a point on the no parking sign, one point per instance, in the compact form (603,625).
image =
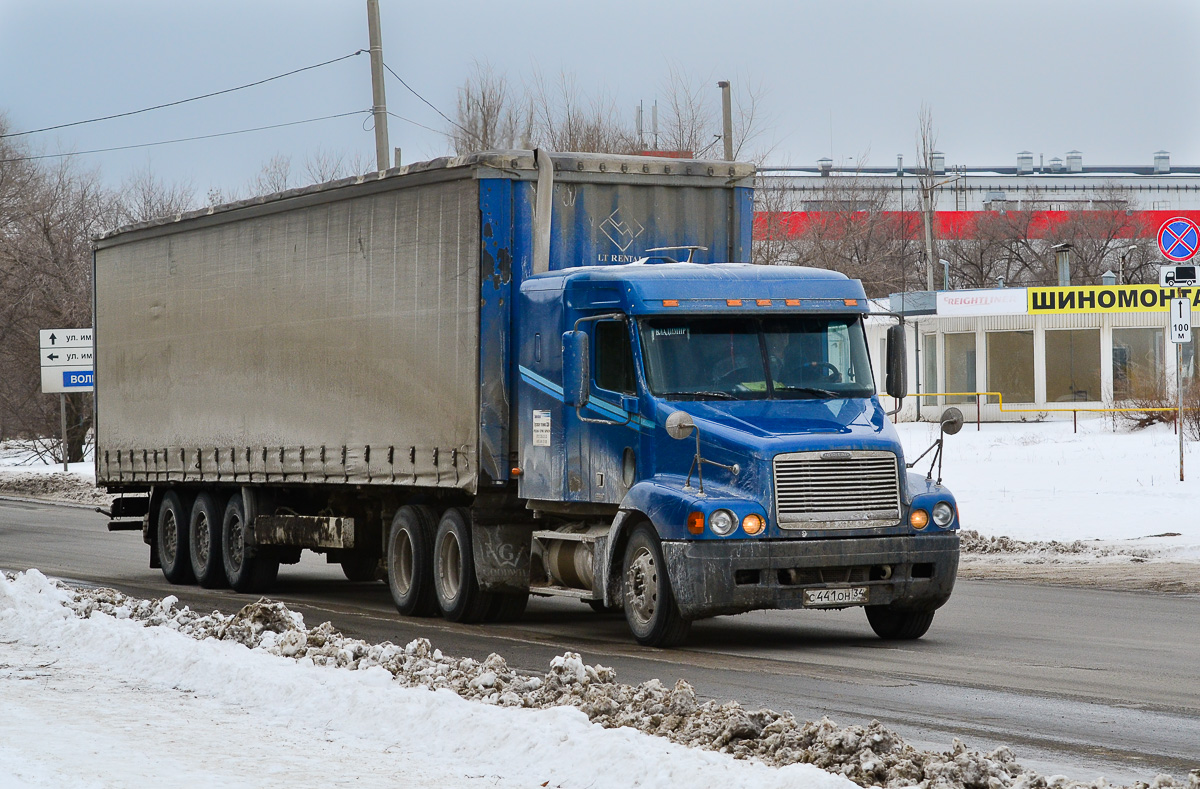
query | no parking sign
(1178,239)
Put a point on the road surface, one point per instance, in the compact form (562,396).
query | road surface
(1080,682)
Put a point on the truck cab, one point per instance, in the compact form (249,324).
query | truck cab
(714,433)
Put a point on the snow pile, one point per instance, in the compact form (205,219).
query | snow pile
(868,756)
(55,486)
(976,544)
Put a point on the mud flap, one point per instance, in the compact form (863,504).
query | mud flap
(501,556)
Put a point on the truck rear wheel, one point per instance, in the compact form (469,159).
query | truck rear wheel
(244,573)
(896,625)
(455,586)
(650,607)
(204,541)
(360,568)
(171,539)
(410,560)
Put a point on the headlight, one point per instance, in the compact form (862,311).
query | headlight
(918,519)
(722,522)
(943,514)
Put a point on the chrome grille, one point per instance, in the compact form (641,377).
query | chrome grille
(837,490)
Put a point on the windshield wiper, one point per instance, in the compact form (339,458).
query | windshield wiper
(825,393)
(695,395)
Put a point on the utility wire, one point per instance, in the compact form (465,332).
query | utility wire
(414,123)
(181,101)
(183,139)
(435,109)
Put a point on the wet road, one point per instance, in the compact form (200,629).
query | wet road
(1079,682)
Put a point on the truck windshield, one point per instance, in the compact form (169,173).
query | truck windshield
(787,357)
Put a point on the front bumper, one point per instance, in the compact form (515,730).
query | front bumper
(711,577)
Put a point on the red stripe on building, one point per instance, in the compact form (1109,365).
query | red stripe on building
(960,224)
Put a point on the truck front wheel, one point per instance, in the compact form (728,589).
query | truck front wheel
(898,625)
(410,560)
(171,539)
(245,573)
(650,607)
(455,586)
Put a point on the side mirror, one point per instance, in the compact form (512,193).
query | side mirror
(952,421)
(896,374)
(679,425)
(576,369)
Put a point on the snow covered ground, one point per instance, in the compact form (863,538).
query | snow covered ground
(1117,492)
(97,690)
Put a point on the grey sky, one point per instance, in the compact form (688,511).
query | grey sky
(1114,80)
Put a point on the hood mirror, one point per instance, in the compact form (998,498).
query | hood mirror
(679,425)
(952,421)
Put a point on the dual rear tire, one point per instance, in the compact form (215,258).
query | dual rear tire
(431,569)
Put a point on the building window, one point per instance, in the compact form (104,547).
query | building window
(929,367)
(1137,359)
(960,366)
(1010,366)
(1073,365)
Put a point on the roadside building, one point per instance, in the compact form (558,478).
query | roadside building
(1011,354)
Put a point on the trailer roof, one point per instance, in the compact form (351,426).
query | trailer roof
(515,165)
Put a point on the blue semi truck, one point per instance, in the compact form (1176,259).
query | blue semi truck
(507,374)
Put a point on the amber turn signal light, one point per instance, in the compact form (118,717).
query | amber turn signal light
(753,524)
(918,519)
(696,522)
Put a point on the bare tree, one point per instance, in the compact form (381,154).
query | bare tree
(327,165)
(565,119)
(490,114)
(844,226)
(45,282)
(927,180)
(275,176)
(144,196)
(494,113)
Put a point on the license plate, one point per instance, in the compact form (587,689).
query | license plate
(824,598)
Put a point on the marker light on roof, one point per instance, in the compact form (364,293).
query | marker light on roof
(733,302)
(670,302)
(792,302)
(763,302)
(850,302)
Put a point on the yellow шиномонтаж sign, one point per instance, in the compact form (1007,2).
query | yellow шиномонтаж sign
(1108,298)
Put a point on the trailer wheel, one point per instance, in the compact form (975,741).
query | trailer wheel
(360,568)
(455,586)
(172,539)
(244,573)
(410,560)
(650,607)
(895,625)
(204,541)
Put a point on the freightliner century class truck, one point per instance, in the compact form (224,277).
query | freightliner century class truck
(483,377)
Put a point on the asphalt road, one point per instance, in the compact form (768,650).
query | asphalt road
(1079,682)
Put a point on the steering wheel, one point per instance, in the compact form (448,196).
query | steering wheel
(823,372)
(738,375)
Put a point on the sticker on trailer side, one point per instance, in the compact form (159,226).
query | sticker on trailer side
(541,428)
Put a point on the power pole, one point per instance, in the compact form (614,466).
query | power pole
(378,99)
(727,119)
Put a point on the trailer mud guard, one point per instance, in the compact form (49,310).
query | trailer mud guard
(501,556)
